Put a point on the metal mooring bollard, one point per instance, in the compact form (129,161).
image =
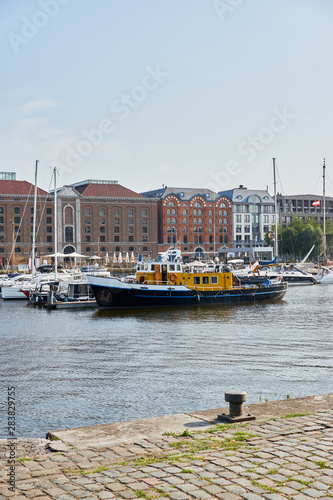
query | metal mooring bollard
(236,413)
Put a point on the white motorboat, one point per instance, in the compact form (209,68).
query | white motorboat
(325,276)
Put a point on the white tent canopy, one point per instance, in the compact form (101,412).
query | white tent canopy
(94,257)
(59,254)
(75,255)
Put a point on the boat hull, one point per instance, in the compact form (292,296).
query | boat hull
(113,294)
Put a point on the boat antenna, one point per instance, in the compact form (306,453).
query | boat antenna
(324,207)
(276,213)
(33,250)
(55,225)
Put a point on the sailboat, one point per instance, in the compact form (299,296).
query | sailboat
(325,275)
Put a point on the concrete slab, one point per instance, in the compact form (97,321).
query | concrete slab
(107,435)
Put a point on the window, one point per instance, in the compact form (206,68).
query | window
(168,229)
(102,212)
(1,229)
(88,249)
(144,213)
(1,210)
(185,238)
(48,211)
(210,212)
(117,249)
(144,238)
(246,229)
(130,239)
(184,211)
(185,249)
(17,229)
(130,212)
(211,229)
(87,220)
(225,212)
(49,229)
(102,239)
(200,229)
(195,229)
(220,221)
(184,220)
(18,239)
(86,211)
(169,238)
(48,220)
(195,239)
(168,220)
(214,280)
(49,249)
(144,230)
(210,221)
(171,204)
(221,238)
(168,211)
(68,234)
(225,221)
(2,250)
(102,249)
(223,205)
(1,220)
(87,230)
(174,230)
(116,211)
(196,280)
(200,220)
(17,250)
(49,239)
(102,221)
(131,249)
(199,212)
(173,211)
(197,204)
(238,218)
(174,239)
(200,238)
(116,221)
(131,221)
(17,220)
(145,249)
(116,239)
(225,230)
(144,222)
(185,229)
(131,229)
(195,220)
(17,210)
(87,239)
(102,229)
(195,212)
(205,280)
(238,229)
(116,230)
(174,220)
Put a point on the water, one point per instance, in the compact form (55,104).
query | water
(76,368)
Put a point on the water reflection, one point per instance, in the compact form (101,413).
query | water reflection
(74,368)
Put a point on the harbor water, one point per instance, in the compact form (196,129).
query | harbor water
(73,368)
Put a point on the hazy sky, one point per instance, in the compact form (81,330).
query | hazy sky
(198,93)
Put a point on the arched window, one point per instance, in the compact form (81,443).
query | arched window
(199,212)
(220,212)
(221,238)
(226,238)
(195,239)
(185,229)
(171,204)
(169,238)
(210,212)
(184,211)
(200,239)
(117,249)
(174,220)
(210,221)
(195,221)
(220,221)
(200,229)
(200,220)
(185,238)
(184,220)
(211,238)
(211,229)
(223,205)
(102,249)
(174,230)
(173,211)
(225,229)
(197,204)
(131,249)
(88,249)
(225,212)
(195,229)
(195,212)
(174,239)
(225,221)
(168,229)
(168,211)
(168,220)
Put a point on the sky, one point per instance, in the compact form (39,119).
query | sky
(184,93)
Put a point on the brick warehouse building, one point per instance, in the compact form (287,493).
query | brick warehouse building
(198,220)
(93,216)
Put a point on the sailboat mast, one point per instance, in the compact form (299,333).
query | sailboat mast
(33,251)
(324,207)
(276,214)
(55,224)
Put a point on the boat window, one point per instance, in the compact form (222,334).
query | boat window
(179,267)
(153,267)
(205,280)
(171,267)
(196,280)
(214,279)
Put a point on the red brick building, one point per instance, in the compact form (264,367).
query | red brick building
(197,220)
(94,217)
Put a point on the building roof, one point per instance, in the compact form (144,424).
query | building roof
(100,190)
(19,188)
(182,193)
(242,194)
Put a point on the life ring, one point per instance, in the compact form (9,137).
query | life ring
(173,277)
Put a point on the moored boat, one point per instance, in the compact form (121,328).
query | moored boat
(165,283)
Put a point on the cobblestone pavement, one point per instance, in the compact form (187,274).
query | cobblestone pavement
(290,457)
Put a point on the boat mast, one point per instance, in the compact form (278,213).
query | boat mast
(55,224)
(276,214)
(33,251)
(324,206)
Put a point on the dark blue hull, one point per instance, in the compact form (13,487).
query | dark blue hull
(119,298)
